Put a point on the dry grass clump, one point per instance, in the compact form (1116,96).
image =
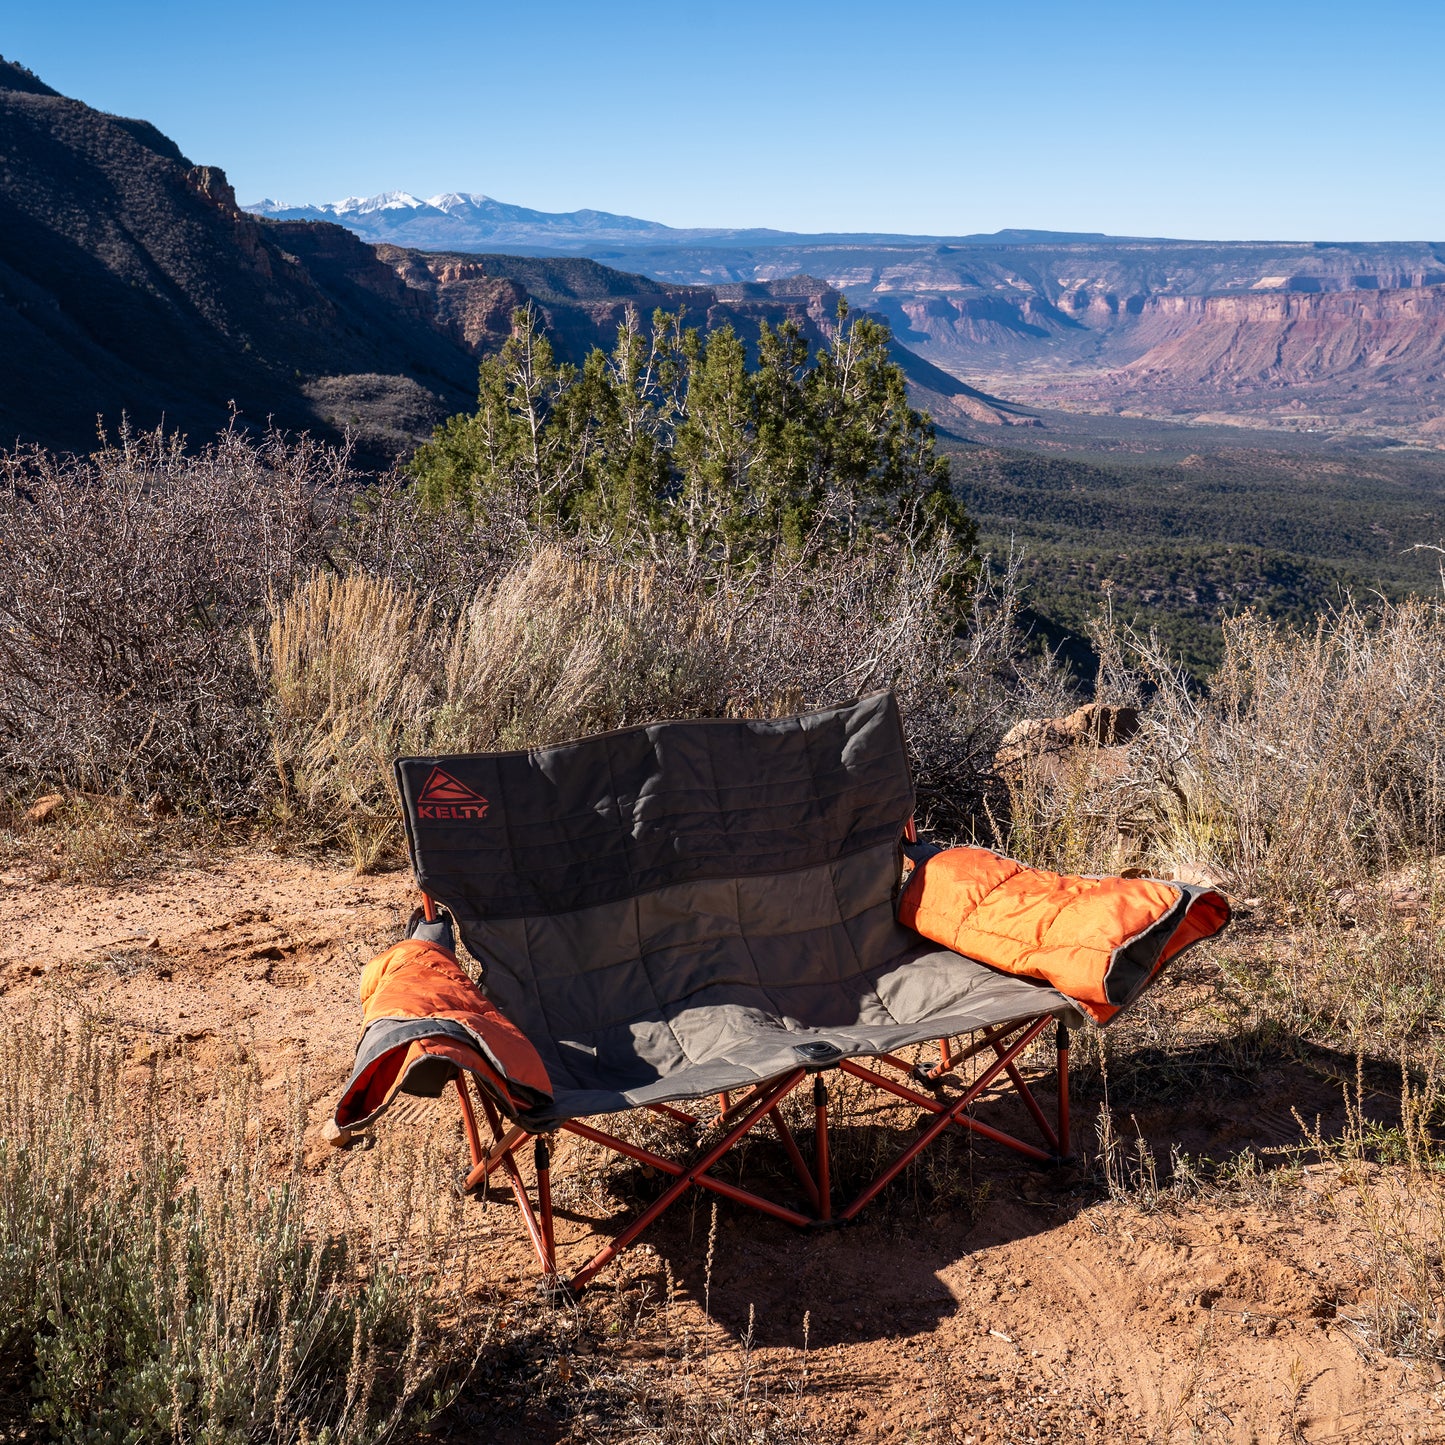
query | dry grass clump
(1384,1182)
(1313,760)
(159,1289)
(137,663)
(360,670)
(84,837)
(172,1270)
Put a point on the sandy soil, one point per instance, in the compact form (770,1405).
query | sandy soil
(1046,1313)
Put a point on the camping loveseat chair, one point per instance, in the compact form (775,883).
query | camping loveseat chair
(705,910)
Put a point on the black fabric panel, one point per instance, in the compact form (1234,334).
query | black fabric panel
(602,819)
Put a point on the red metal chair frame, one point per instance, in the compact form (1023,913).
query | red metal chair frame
(736,1119)
(761,1102)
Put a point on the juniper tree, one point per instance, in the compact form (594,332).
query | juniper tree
(672,434)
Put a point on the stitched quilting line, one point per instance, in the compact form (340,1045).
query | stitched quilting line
(658,1006)
(547,1046)
(968,919)
(870,700)
(682,882)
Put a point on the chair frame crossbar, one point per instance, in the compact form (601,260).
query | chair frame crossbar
(736,1118)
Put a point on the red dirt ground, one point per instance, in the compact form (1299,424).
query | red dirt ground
(1044,1313)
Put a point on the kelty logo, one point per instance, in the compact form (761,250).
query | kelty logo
(445,800)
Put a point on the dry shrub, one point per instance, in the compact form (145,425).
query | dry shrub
(560,647)
(123,660)
(1074,810)
(1398,1214)
(1313,759)
(855,624)
(564,644)
(1316,757)
(155,1291)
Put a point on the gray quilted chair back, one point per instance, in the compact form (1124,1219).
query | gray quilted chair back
(678,908)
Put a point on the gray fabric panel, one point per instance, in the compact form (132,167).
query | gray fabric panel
(711,985)
(669,911)
(746,1046)
(382,1035)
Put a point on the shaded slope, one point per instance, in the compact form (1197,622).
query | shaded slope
(130,282)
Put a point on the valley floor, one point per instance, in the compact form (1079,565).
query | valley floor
(1001,1305)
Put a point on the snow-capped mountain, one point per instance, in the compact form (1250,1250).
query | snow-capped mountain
(458,221)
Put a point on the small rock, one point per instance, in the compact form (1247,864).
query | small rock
(338,1138)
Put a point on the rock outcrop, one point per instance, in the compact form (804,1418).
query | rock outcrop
(1095,724)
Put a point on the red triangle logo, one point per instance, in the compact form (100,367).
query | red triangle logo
(441,787)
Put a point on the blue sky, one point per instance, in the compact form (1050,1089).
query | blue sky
(1284,120)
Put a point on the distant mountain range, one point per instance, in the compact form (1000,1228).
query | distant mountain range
(1344,336)
(457,221)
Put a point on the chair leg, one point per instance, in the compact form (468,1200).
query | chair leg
(686,1179)
(955,1113)
(1026,1094)
(795,1155)
(820,1137)
(945,1059)
(760,1102)
(1061,1042)
(538,1232)
(542,1156)
(469,1124)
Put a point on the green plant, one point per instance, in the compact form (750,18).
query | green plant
(672,435)
(161,1288)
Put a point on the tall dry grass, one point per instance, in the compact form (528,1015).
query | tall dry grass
(1314,758)
(359,669)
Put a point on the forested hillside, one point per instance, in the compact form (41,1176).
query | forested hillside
(1172,543)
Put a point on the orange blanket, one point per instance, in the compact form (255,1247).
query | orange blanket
(1101,941)
(419,981)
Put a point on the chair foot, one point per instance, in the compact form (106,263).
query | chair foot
(558,1291)
(930,1076)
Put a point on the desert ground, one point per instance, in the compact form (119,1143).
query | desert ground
(1234,1297)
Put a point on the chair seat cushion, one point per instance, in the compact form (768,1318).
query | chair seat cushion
(926,993)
